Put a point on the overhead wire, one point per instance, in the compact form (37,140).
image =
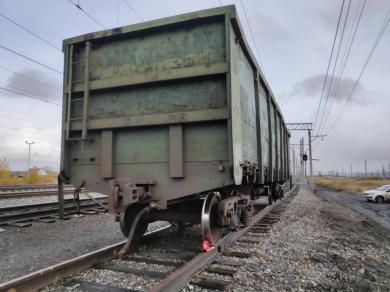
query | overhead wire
(4,109)
(28,95)
(28,119)
(251,33)
(346,54)
(329,62)
(334,68)
(30,32)
(133,10)
(384,25)
(29,78)
(86,13)
(30,59)
(22,130)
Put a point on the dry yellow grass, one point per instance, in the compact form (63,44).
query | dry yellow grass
(352,185)
(6,178)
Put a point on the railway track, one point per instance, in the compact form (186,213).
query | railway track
(171,260)
(32,190)
(24,215)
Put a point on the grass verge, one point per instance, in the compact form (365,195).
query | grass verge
(351,185)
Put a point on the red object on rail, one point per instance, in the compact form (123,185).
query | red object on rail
(207,245)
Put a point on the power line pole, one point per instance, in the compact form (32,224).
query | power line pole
(311,181)
(302,170)
(388,173)
(365,168)
(351,171)
(294,166)
(28,161)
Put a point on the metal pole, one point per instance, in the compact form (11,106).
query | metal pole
(293,151)
(28,161)
(302,170)
(351,171)
(365,168)
(311,181)
(388,173)
(61,212)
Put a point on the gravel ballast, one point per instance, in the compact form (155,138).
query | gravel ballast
(23,201)
(27,249)
(317,245)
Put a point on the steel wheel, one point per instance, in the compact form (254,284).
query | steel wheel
(211,232)
(126,219)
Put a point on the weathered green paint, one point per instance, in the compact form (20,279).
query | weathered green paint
(278,142)
(235,109)
(87,74)
(188,51)
(180,73)
(273,134)
(189,95)
(106,165)
(175,101)
(154,119)
(176,151)
(258,129)
(248,109)
(264,129)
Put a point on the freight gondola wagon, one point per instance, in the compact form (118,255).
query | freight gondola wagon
(174,120)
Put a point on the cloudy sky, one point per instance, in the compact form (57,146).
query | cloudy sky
(294,42)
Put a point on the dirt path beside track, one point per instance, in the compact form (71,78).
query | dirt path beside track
(379,213)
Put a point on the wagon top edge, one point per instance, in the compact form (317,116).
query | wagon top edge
(147,25)
(228,10)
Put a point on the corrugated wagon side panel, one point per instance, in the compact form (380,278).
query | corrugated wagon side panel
(273,134)
(264,127)
(278,148)
(244,127)
(248,109)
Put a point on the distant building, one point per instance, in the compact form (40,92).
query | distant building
(42,172)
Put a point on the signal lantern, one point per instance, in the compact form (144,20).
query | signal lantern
(304,157)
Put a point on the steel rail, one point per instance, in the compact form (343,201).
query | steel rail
(30,187)
(182,276)
(44,277)
(30,212)
(11,187)
(33,193)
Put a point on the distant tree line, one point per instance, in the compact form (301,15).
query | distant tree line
(7,177)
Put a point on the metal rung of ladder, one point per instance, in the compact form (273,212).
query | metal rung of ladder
(78,81)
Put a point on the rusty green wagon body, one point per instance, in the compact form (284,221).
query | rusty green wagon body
(169,110)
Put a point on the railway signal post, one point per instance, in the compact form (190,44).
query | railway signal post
(305,127)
